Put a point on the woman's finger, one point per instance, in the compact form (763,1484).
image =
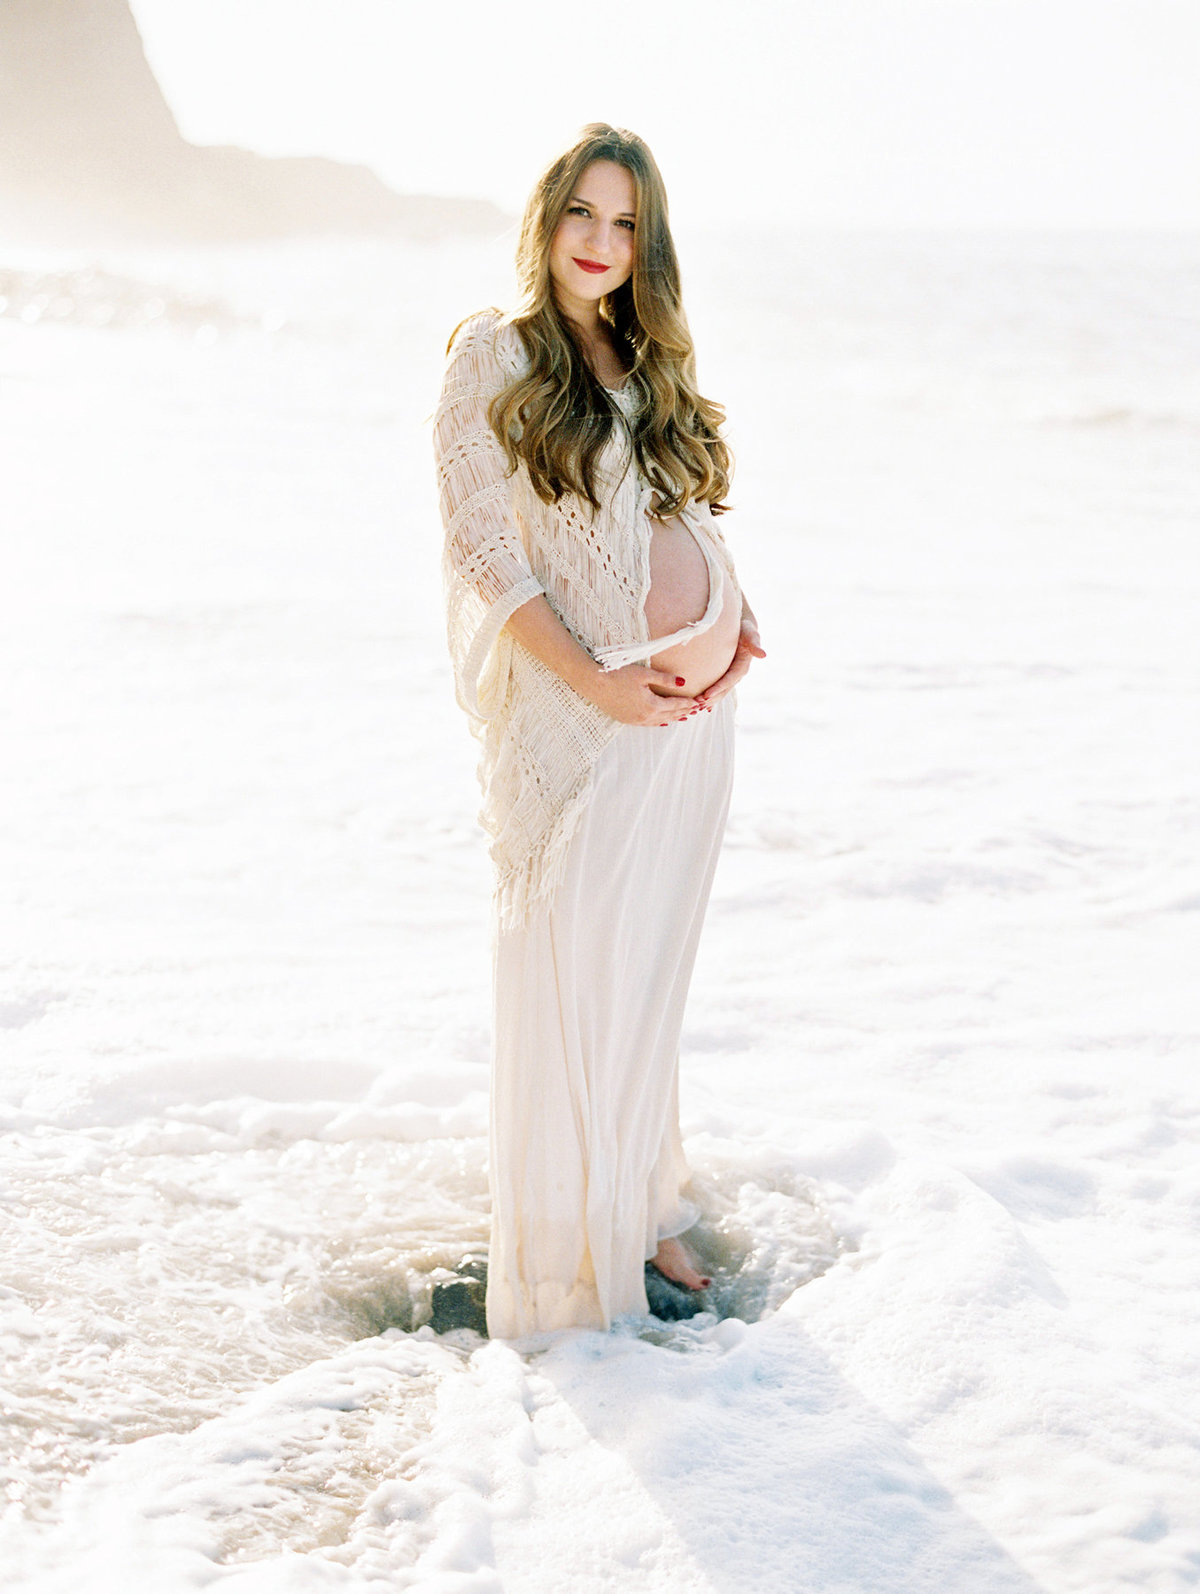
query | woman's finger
(669,707)
(726,683)
(752,642)
(666,679)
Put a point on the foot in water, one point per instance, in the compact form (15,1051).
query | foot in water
(674,1261)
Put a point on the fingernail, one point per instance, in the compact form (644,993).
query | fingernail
(679,681)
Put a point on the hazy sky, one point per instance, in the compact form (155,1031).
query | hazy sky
(1042,113)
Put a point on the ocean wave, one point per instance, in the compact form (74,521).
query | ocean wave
(89,296)
(1115,417)
(280,1252)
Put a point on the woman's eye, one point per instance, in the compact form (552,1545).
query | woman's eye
(582,210)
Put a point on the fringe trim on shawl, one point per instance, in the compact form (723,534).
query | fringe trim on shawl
(618,656)
(523,888)
(470,677)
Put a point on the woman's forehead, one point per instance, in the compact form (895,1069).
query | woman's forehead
(605,182)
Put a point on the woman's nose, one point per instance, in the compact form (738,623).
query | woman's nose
(599,234)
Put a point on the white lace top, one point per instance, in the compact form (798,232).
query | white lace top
(503,546)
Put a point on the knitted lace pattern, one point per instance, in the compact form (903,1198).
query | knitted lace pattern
(503,545)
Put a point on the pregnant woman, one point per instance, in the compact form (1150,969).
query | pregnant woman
(597,630)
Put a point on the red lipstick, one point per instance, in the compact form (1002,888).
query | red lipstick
(588,265)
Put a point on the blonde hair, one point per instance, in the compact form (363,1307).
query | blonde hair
(557,416)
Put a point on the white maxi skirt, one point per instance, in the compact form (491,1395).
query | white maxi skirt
(587,1171)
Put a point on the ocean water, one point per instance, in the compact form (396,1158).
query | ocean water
(938,1070)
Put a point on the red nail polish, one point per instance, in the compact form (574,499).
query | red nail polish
(679,681)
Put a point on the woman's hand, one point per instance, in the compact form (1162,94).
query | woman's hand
(749,647)
(637,694)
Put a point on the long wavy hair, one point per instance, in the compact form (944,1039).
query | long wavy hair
(557,416)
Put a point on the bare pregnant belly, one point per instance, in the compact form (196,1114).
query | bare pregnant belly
(678,595)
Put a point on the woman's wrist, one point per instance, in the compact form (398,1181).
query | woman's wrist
(539,630)
(581,673)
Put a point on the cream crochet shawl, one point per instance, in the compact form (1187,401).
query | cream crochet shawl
(503,546)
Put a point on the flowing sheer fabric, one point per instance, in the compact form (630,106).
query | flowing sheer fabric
(587,1168)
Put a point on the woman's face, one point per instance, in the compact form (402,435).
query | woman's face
(596,231)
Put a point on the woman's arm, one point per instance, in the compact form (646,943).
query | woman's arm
(484,564)
(627,694)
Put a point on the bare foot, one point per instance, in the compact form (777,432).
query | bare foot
(674,1261)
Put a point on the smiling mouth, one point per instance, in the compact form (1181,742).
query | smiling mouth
(588,265)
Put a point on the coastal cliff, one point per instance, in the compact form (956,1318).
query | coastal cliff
(89,148)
